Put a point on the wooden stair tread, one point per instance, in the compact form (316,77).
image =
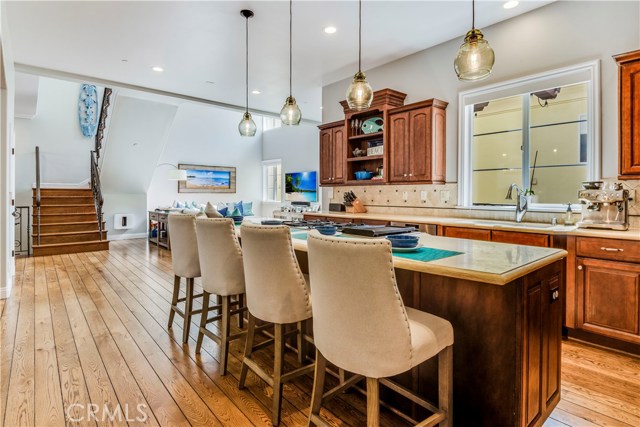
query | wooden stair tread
(67,233)
(51,245)
(75,222)
(66,206)
(54,214)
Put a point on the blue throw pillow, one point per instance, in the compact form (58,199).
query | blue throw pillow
(236,212)
(239,207)
(223,211)
(247,209)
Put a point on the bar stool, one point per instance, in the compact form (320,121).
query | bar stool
(222,275)
(360,324)
(184,257)
(278,293)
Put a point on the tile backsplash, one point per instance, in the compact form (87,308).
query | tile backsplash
(442,199)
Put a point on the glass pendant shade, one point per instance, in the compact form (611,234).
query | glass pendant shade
(290,113)
(247,126)
(359,93)
(177,175)
(475,57)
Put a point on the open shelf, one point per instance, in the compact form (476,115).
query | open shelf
(365,158)
(366,136)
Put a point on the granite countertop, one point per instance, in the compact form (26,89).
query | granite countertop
(540,228)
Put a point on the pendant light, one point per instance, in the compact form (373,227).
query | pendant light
(247,126)
(475,57)
(290,113)
(359,94)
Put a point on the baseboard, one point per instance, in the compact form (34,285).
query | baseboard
(127,236)
(5,292)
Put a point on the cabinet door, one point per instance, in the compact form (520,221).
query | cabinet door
(467,233)
(630,118)
(398,147)
(326,156)
(420,156)
(608,298)
(518,238)
(339,154)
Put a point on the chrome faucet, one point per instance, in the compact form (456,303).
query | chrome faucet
(521,201)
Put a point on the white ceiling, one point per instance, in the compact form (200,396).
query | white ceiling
(197,42)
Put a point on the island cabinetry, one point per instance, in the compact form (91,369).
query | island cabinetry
(629,114)
(332,153)
(607,288)
(513,237)
(417,142)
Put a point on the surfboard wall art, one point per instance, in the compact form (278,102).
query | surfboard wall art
(88,110)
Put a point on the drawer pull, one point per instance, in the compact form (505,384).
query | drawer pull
(611,249)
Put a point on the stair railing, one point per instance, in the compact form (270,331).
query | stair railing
(38,190)
(102,123)
(97,190)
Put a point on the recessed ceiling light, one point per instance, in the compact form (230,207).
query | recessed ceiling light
(504,154)
(330,30)
(157,69)
(510,4)
(209,82)
(255,92)
(124,60)
(555,150)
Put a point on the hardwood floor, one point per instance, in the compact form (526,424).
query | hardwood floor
(84,339)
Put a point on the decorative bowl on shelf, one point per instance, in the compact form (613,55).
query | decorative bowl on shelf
(403,241)
(327,230)
(372,125)
(363,175)
(358,152)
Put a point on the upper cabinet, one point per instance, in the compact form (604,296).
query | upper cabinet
(417,142)
(629,114)
(332,153)
(388,143)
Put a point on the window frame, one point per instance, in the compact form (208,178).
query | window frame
(588,72)
(265,167)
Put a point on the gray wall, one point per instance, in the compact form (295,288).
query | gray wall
(553,36)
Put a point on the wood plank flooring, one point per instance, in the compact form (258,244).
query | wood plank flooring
(84,342)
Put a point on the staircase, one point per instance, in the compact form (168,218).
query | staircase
(68,222)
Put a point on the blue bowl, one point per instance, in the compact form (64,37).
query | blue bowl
(327,230)
(403,241)
(362,175)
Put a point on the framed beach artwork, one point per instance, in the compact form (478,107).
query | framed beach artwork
(208,179)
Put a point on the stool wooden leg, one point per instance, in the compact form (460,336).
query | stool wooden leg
(187,311)
(248,349)
(318,388)
(240,313)
(373,403)
(174,299)
(224,334)
(278,368)
(203,319)
(302,348)
(445,385)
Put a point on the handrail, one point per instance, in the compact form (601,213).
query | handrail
(97,190)
(38,190)
(104,112)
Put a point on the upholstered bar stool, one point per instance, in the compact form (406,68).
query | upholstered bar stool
(360,324)
(278,293)
(184,257)
(222,275)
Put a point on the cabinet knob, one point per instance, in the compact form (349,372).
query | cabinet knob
(405,174)
(410,174)
(579,267)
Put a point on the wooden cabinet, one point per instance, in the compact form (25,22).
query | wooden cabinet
(629,114)
(518,238)
(541,352)
(467,233)
(332,153)
(417,142)
(158,229)
(607,288)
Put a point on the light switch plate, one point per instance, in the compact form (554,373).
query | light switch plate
(330,193)
(423,196)
(445,195)
(405,196)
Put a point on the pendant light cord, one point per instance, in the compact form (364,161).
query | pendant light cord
(290,46)
(359,35)
(247,64)
(473,14)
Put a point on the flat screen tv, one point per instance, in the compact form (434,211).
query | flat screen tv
(301,186)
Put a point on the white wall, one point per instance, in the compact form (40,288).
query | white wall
(7,190)
(560,34)
(298,149)
(205,135)
(64,151)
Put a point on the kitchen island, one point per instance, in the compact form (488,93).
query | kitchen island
(505,304)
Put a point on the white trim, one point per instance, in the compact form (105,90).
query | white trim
(6,291)
(586,72)
(127,236)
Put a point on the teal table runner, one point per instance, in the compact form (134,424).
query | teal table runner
(421,254)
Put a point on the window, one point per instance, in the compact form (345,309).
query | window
(272,181)
(269,123)
(538,132)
